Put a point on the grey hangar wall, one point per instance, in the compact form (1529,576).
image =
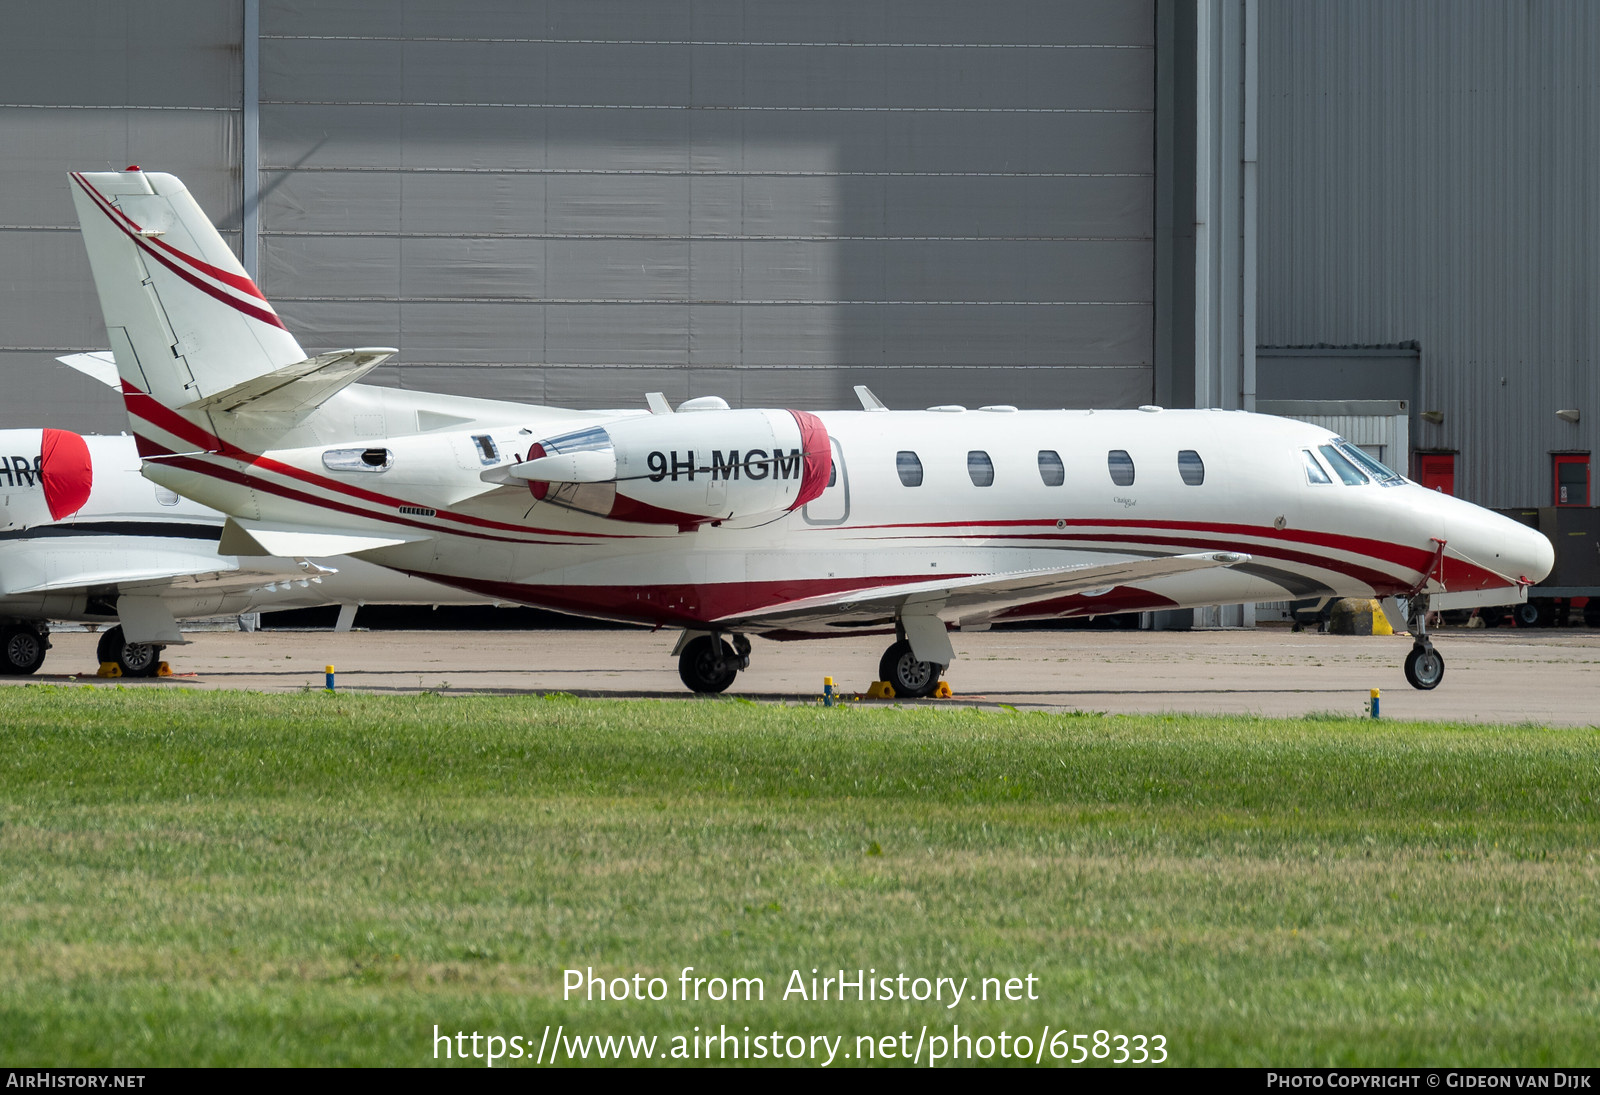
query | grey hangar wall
(579,202)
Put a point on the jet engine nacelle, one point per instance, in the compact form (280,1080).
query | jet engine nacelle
(45,475)
(685,469)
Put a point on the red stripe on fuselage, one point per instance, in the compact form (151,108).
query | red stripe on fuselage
(674,605)
(1411,558)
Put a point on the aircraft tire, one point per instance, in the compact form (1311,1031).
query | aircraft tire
(1424,668)
(708,665)
(1527,614)
(911,679)
(22,650)
(134,659)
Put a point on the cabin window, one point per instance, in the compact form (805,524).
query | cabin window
(1051,469)
(980,469)
(1342,467)
(1314,473)
(909,467)
(1191,467)
(833,474)
(488,451)
(1121,467)
(357,459)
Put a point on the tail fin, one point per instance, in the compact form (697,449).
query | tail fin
(185,322)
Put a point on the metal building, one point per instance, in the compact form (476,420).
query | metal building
(1430,228)
(578,202)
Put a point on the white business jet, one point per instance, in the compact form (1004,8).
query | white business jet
(731,523)
(84,537)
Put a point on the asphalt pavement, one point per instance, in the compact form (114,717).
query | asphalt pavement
(1496,676)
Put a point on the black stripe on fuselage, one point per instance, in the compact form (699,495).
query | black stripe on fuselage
(1292,583)
(165,530)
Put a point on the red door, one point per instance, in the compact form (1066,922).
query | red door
(1437,471)
(1572,478)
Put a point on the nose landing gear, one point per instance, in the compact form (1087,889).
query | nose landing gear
(1424,665)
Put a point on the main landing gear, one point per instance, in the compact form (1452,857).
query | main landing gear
(134,659)
(708,663)
(22,649)
(1424,665)
(910,678)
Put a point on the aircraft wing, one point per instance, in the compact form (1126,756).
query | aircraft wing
(985,594)
(48,565)
(254,538)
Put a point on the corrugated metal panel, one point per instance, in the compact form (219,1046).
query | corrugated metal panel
(1430,171)
(897,193)
(770,202)
(97,84)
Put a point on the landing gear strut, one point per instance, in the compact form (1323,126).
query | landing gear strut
(1424,665)
(708,663)
(910,678)
(134,659)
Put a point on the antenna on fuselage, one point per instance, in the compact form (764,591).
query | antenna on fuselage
(658,403)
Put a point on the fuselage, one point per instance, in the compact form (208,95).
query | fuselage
(759,520)
(913,496)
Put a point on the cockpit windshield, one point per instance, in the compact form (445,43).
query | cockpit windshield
(1369,464)
(1342,466)
(1314,473)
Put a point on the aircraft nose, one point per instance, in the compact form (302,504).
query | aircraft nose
(1509,547)
(1536,553)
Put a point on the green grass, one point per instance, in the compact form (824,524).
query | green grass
(225,878)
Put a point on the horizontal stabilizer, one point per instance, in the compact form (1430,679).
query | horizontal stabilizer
(249,538)
(97,365)
(298,387)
